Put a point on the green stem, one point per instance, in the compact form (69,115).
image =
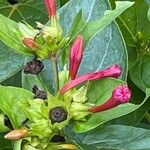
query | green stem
(17,145)
(42,83)
(55,72)
(147,116)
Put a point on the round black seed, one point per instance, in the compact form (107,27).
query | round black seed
(58,114)
(58,139)
(13,1)
(33,67)
(39,93)
(7,122)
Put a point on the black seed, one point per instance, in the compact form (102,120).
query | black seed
(39,93)
(58,114)
(33,67)
(7,122)
(13,1)
(57,139)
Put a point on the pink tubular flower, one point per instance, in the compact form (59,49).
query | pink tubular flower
(113,71)
(30,43)
(51,7)
(120,95)
(76,54)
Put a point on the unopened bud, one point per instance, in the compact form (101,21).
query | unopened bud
(16,134)
(30,43)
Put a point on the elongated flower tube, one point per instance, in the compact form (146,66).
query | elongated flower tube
(30,43)
(51,8)
(113,71)
(76,54)
(120,95)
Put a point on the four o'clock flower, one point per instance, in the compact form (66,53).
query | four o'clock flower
(120,95)
(51,8)
(113,71)
(76,54)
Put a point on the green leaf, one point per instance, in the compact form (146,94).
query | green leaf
(98,93)
(139,72)
(105,47)
(10,35)
(11,99)
(5,144)
(11,63)
(135,27)
(116,137)
(27,10)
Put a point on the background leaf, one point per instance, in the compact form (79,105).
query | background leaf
(135,27)
(114,137)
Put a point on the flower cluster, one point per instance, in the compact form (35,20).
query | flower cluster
(54,112)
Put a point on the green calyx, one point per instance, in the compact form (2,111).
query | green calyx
(48,38)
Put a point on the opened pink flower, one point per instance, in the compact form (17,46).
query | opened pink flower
(121,94)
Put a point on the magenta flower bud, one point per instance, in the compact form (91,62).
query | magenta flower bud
(76,54)
(113,71)
(51,7)
(120,95)
(30,43)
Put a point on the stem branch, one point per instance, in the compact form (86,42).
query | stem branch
(55,71)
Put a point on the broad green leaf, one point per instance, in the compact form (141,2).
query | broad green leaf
(113,137)
(98,93)
(10,103)
(139,72)
(10,63)
(27,10)
(104,48)
(13,81)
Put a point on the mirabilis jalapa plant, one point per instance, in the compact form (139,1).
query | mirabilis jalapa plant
(43,116)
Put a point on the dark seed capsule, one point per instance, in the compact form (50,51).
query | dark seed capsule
(57,139)
(7,122)
(33,67)
(39,93)
(58,114)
